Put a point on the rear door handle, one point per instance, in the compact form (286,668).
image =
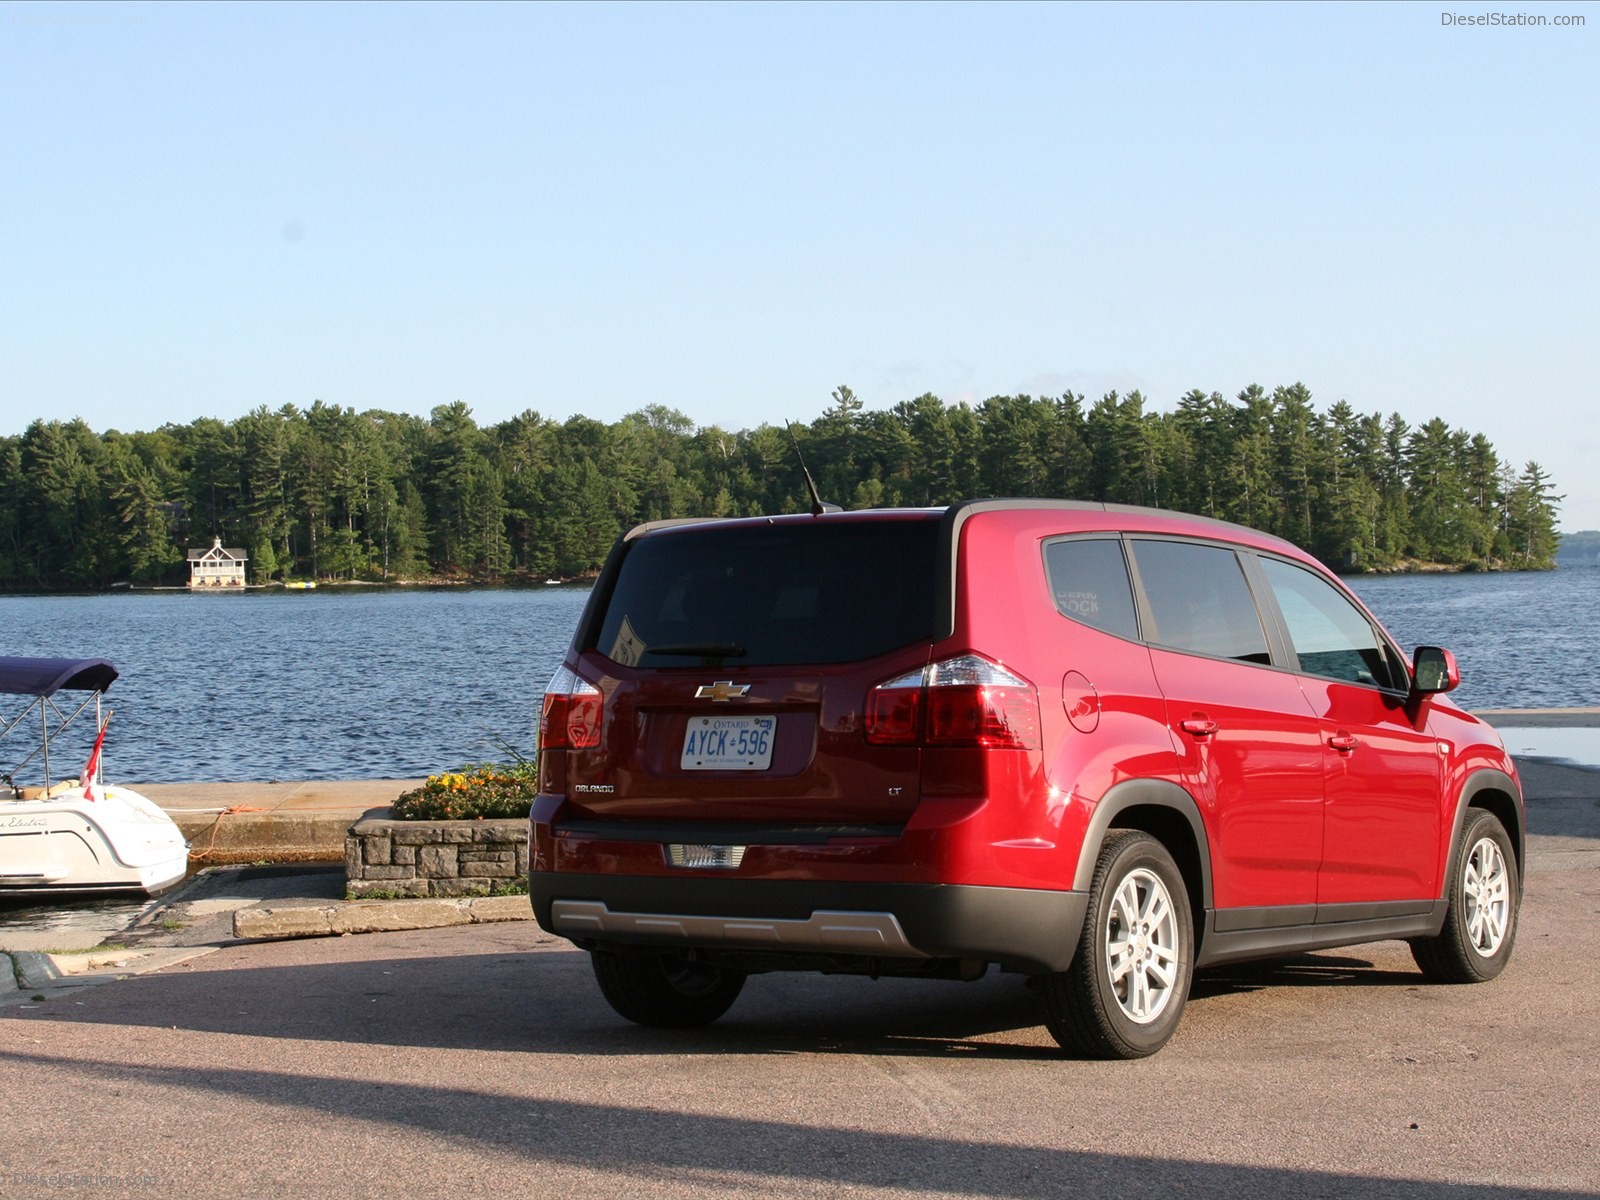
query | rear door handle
(1344,743)
(1200,727)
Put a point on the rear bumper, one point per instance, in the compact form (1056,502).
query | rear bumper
(1021,929)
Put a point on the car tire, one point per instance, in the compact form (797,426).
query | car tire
(1124,993)
(666,989)
(1484,893)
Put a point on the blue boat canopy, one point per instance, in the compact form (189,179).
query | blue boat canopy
(47,676)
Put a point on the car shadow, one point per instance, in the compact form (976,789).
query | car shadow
(1300,970)
(536,997)
(548,1003)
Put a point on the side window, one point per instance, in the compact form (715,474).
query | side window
(1330,634)
(1089,582)
(1200,600)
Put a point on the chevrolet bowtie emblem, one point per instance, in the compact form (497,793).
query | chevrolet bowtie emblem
(723,689)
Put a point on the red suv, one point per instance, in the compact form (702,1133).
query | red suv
(1097,745)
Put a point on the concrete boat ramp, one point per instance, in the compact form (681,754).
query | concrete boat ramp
(275,821)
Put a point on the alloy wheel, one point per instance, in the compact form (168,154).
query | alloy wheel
(1141,946)
(1486,895)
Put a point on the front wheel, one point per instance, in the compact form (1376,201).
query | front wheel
(1480,926)
(1125,991)
(665,989)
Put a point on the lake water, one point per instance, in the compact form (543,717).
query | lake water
(339,683)
(1527,639)
(346,683)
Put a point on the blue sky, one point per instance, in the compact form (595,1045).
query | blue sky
(733,209)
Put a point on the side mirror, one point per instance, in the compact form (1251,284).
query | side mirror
(1434,670)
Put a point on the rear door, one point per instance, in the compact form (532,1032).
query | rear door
(1249,743)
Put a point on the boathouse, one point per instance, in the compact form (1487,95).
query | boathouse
(218,567)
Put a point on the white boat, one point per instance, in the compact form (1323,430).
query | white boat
(74,835)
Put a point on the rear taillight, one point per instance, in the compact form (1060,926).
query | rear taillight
(570,718)
(894,711)
(963,701)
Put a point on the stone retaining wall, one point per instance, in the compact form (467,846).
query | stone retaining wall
(434,858)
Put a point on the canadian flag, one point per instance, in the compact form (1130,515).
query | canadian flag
(91,769)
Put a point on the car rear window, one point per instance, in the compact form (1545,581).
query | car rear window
(1089,582)
(758,595)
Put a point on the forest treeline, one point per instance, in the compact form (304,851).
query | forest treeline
(329,493)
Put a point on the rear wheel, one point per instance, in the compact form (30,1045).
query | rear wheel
(1125,991)
(665,989)
(1480,927)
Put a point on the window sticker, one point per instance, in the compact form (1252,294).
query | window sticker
(628,648)
(1083,605)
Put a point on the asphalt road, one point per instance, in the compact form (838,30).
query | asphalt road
(481,1060)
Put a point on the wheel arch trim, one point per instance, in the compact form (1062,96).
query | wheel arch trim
(1489,780)
(1147,793)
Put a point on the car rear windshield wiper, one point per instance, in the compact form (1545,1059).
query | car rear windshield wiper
(701,649)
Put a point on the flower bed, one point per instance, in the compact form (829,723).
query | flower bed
(490,790)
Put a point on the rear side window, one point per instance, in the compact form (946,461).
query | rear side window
(1330,634)
(1089,583)
(816,592)
(1200,600)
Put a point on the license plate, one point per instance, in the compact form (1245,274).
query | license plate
(728,743)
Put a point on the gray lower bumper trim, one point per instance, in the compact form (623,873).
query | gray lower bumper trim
(874,933)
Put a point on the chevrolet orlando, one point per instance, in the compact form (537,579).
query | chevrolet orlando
(1101,746)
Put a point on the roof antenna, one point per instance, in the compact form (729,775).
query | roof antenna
(817,505)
